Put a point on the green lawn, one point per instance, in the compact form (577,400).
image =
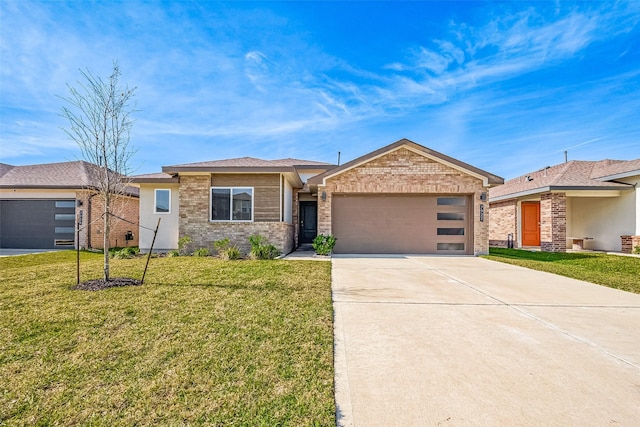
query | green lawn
(202,342)
(615,271)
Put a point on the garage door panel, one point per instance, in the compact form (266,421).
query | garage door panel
(37,224)
(399,224)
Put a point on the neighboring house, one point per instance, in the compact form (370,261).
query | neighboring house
(583,204)
(403,198)
(42,205)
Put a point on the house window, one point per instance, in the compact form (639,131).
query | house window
(162,201)
(231,204)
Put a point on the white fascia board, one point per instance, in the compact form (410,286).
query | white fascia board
(520,194)
(619,175)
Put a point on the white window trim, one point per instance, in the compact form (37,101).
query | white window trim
(155,201)
(253,197)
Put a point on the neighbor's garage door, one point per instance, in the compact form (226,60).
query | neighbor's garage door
(37,224)
(415,224)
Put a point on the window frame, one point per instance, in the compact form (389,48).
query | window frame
(231,189)
(155,201)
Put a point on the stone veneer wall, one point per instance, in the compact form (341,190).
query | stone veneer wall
(405,172)
(194,215)
(553,222)
(504,221)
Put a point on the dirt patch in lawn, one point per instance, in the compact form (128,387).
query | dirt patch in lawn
(100,284)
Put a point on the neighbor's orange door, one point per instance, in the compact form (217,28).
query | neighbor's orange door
(530,223)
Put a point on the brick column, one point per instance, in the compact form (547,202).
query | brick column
(629,243)
(553,222)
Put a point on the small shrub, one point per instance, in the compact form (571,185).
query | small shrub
(184,245)
(226,250)
(202,252)
(636,250)
(173,253)
(261,249)
(323,245)
(125,253)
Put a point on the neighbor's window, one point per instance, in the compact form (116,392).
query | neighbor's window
(163,201)
(231,204)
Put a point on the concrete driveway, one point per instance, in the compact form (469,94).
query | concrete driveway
(456,341)
(14,252)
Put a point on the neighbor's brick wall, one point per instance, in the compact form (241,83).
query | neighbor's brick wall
(553,222)
(194,212)
(403,171)
(122,206)
(629,243)
(504,221)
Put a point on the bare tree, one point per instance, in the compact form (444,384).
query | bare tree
(100,121)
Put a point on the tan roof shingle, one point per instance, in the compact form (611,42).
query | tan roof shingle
(72,175)
(575,174)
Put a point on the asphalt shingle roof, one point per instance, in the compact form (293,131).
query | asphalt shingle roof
(575,174)
(75,175)
(248,162)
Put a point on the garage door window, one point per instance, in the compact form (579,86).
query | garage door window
(450,216)
(451,246)
(450,231)
(65,204)
(452,201)
(451,223)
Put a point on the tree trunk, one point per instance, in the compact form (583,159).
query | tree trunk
(107,232)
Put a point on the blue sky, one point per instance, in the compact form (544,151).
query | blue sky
(505,86)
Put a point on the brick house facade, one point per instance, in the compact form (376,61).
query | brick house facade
(281,188)
(593,205)
(406,168)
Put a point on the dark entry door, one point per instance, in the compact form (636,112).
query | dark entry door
(308,221)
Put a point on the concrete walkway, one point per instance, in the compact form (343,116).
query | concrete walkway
(462,341)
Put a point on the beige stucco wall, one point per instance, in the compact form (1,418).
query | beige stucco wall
(287,204)
(26,193)
(405,172)
(605,218)
(167,238)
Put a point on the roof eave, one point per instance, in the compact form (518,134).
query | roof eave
(229,169)
(547,189)
(620,175)
(173,180)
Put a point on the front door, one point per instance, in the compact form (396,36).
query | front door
(530,223)
(308,221)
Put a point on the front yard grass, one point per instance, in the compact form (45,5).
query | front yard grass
(202,342)
(615,271)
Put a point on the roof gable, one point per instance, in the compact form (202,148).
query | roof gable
(487,178)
